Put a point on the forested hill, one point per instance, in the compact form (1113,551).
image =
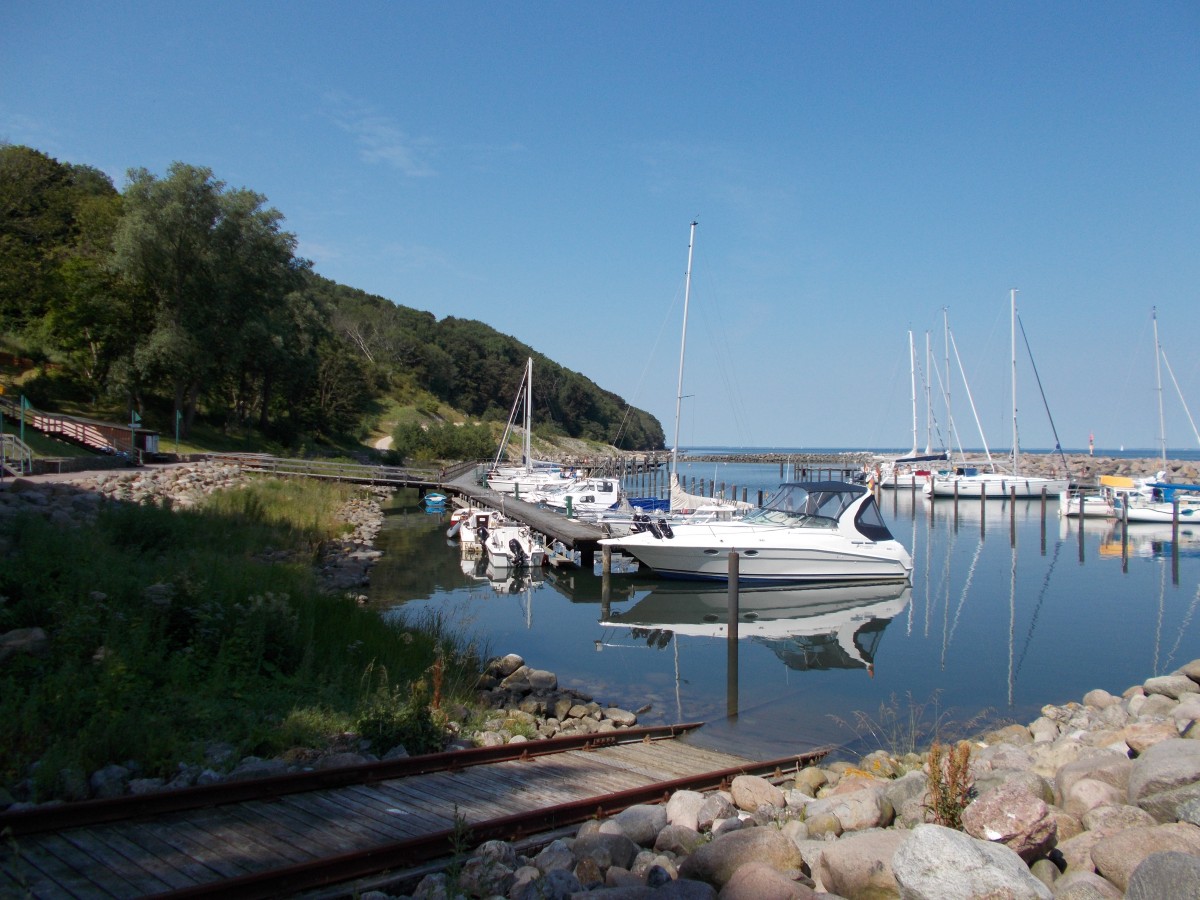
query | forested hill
(183,298)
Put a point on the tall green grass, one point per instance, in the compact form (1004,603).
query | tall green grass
(169,630)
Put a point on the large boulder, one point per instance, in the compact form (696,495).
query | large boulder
(860,865)
(752,791)
(937,862)
(1117,855)
(1011,816)
(1169,874)
(716,862)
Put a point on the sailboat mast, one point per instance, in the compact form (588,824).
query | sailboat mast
(912,374)
(687,292)
(1016,451)
(946,386)
(529,413)
(928,400)
(1162,428)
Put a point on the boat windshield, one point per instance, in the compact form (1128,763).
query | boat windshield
(817,504)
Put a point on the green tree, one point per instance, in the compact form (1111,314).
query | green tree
(215,266)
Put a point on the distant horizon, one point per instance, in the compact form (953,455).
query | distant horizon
(1131,452)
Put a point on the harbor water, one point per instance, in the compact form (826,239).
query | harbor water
(1009,608)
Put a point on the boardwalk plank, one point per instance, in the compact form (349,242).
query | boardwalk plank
(74,871)
(107,857)
(139,856)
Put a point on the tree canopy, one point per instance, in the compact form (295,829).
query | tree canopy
(183,294)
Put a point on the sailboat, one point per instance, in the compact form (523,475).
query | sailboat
(968,481)
(912,469)
(1158,499)
(528,476)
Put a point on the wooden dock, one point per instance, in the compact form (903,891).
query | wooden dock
(198,851)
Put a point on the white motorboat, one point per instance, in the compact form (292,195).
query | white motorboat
(1158,503)
(1102,502)
(587,495)
(823,531)
(510,546)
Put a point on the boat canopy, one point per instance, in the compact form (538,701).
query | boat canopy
(821,504)
(1116,481)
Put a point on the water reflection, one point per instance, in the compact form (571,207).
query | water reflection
(1010,608)
(806,628)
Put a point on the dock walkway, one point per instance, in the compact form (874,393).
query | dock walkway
(257,846)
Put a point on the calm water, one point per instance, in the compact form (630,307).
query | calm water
(1003,615)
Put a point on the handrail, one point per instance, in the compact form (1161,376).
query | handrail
(13,448)
(317,468)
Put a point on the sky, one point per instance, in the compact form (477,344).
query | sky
(858,171)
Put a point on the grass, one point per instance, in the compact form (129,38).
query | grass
(902,728)
(168,630)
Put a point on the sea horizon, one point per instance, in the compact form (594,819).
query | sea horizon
(1177,454)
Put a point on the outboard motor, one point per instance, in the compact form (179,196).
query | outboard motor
(639,522)
(481,532)
(518,554)
(653,528)
(665,529)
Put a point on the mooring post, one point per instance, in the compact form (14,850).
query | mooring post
(731,646)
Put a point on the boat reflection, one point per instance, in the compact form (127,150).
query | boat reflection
(1150,541)
(806,627)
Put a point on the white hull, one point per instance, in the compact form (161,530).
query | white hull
(1090,506)
(1160,512)
(762,557)
(514,546)
(815,532)
(994,485)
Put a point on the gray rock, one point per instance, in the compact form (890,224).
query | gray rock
(555,855)
(1173,686)
(683,807)
(679,840)
(1117,855)
(642,823)
(28,641)
(714,807)
(1163,767)
(1085,886)
(1169,874)
(752,791)
(755,881)
(557,884)
(860,865)
(109,782)
(606,849)
(936,863)
(716,862)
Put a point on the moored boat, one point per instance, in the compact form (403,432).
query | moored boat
(825,531)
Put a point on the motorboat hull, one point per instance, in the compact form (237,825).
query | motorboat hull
(765,557)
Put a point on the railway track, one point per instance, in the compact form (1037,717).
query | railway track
(282,836)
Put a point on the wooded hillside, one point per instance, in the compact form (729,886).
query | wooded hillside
(182,297)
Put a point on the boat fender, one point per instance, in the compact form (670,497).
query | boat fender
(514,548)
(665,529)
(453,529)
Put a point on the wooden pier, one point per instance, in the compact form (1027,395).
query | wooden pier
(259,841)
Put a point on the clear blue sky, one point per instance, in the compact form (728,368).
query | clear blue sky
(855,168)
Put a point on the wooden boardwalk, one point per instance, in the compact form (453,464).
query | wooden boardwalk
(186,850)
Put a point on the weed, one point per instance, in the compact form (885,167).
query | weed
(906,729)
(950,786)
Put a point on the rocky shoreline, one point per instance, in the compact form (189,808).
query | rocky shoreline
(1093,800)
